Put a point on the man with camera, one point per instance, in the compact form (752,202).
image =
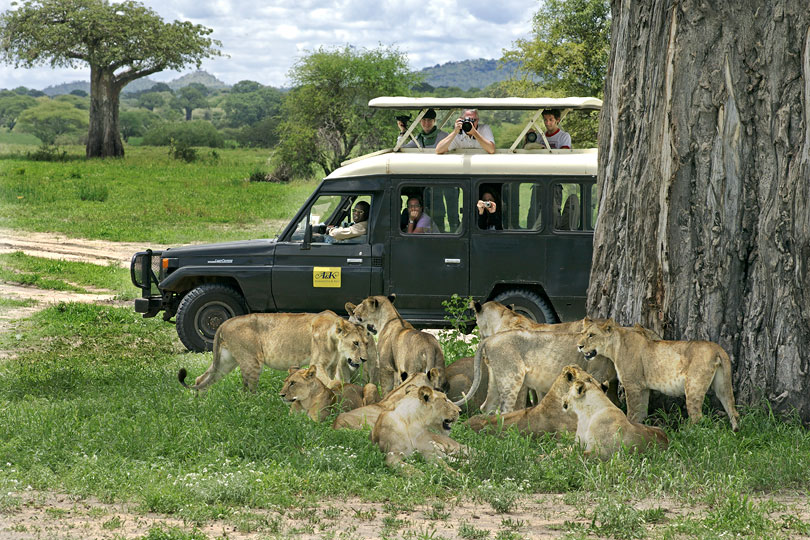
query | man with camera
(430,135)
(468,134)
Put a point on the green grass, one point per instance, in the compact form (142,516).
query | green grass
(23,139)
(62,275)
(146,196)
(91,406)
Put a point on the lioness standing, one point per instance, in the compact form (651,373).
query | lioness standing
(284,340)
(676,368)
(403,349)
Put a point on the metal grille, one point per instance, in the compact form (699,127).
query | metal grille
(376,261)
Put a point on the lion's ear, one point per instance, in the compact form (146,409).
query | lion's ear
(609,326)
(510,307)
(308,374)
(476,305)
(565,405)
(580,389)
(392,298)
(569,374)
(605,385)
(350,308)
(425,393)
(374,303)
(293,370)
(339,329)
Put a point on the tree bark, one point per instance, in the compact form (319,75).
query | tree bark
(704,178)
(103,139)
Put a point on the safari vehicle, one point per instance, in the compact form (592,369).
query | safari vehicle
(539,261)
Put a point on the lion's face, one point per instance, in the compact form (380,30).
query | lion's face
(353,343)
(368,312)
(435,410)
(595,337)
(300,384)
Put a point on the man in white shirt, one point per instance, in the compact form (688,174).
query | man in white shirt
(474,137)
(557,138)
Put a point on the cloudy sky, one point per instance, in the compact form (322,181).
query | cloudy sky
(263,38)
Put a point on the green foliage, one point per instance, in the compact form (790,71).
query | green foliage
(326,119)
(151,100)
(465,75)
(120,42)
(193,133)
(570,47)
(182,151)
(135,122)
(48,152)
(11,105)
(50,119)
(247,108)
(93,191)
(454,343)
(188,98)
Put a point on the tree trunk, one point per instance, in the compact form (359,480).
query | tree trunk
(704,226)
(103,139)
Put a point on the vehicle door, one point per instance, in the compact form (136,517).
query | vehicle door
(431,262)
(507,244)
(324,273)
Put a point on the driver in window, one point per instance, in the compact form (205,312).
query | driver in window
(358,227)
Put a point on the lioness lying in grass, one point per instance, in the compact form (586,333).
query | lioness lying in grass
(306,393)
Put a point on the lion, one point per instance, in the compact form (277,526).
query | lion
(366,416)
(676,368)
(518,358)
(402,349)
(284,340)
(306,393)
(547,416)
(419,423)
(602,428)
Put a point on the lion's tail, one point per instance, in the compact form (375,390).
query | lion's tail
(476,378)
(181,376)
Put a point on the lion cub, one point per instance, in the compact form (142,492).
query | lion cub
(419,423)
(602,428)
(676,368)
(306,393)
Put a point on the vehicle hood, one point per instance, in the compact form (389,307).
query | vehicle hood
(241,252)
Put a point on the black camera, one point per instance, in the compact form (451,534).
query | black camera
(320,229)
(531,137)
(467,124)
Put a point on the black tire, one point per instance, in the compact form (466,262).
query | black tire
(528,304)
(202,310)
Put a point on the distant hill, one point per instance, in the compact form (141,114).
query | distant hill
(468,73)
(142,84)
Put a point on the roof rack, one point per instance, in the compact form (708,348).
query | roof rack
(451,105)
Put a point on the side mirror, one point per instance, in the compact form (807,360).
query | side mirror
(307,237)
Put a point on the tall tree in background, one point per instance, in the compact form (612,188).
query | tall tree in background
(190,97)
(326,118)
(704,176)
(120,42)
(569,50)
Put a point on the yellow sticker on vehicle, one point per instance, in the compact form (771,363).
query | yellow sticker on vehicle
(326,276)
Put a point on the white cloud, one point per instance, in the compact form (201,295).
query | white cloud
(263,40)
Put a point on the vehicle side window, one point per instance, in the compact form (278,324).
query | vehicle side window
(431,209)
(336,218)
(594,208)
(567,206)
(519,204)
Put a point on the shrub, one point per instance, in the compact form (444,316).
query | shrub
(193,133)
(181,150)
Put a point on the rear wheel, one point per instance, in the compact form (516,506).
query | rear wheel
(528,304)
(203,310)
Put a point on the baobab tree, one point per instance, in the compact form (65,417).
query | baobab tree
(120,42)
(704,226)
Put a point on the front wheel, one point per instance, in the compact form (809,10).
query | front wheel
(529,305)
(203,310)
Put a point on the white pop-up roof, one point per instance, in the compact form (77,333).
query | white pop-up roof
(453,104)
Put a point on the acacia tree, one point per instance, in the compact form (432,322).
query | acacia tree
(121,42)
(704,178)
(326,118)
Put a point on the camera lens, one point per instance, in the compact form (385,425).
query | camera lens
(487,203)
(531,136)
(466,125)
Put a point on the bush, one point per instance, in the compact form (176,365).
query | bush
(47,152)
(181,150)
(193,133)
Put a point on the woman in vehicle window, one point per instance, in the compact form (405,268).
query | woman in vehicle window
(489,214)
(418,221)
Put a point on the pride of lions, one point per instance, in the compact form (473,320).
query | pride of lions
(410,399)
